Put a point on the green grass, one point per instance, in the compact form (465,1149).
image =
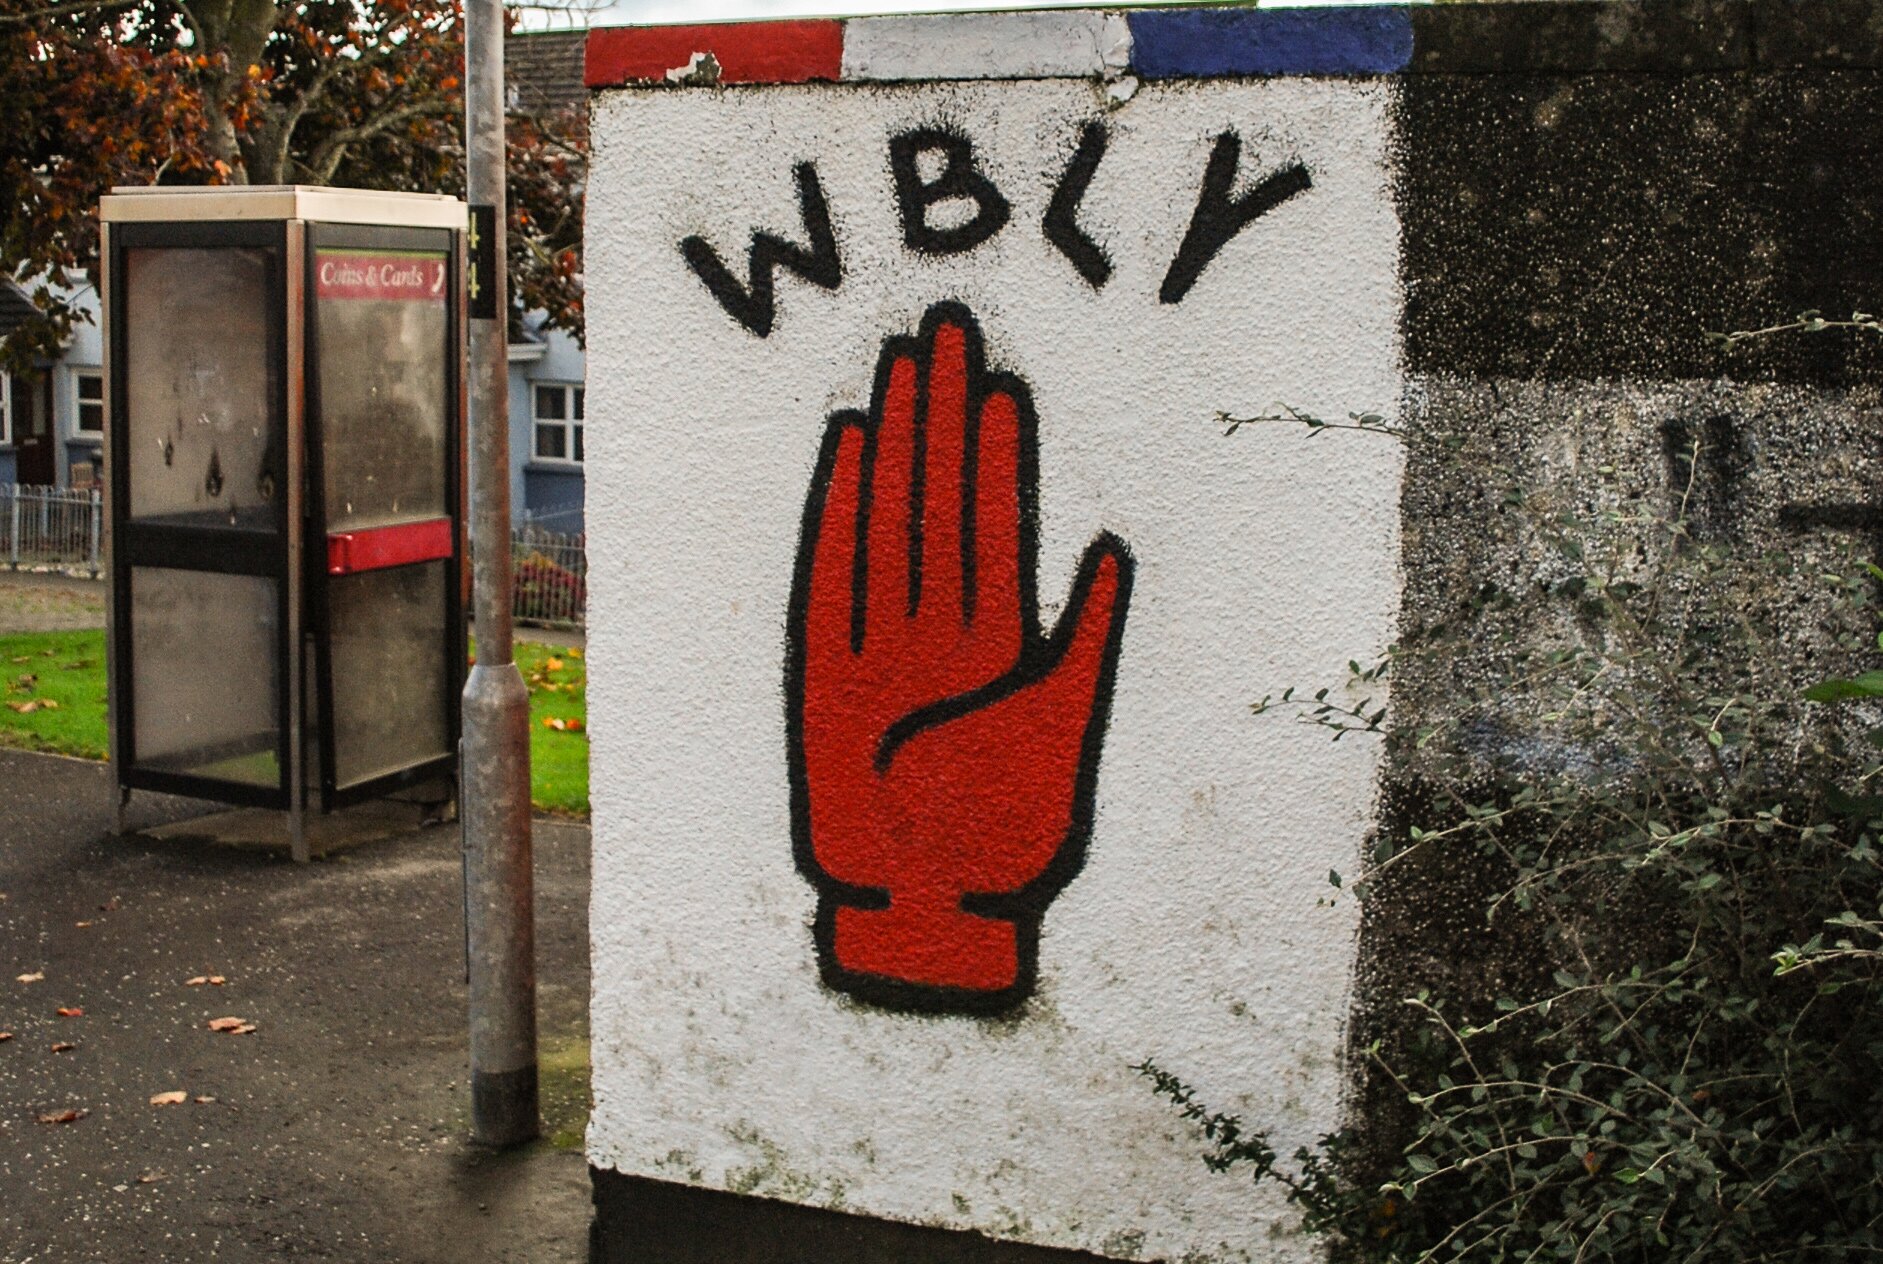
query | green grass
(67,669)
(558,681)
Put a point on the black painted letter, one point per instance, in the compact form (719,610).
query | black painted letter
(754,305)
(960,178)
(1220,214)
(1062,215)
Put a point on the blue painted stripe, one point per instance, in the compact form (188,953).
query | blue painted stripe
(1210,43)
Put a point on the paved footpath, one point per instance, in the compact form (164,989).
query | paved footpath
(337,1129)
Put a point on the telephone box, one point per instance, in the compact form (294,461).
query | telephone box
(285,493)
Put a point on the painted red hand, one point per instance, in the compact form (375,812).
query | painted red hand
(944,750)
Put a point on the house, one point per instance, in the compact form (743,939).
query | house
(547,367)
(546,407)
(52,420)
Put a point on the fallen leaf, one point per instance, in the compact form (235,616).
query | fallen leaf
(216,980)
(64,1117)
(82,925)
(5,1036)
(71,1012)
(47,653)
(551,722)
(552,665)
(24,708)
(234,1026)
(64,1046)
(33,978)
(204,1101)
(151,1178)
(81,665)
(243,1030)
(575,653)
(198,981)
(26,682)
(174,1098)
(110,905)
(47,704)
(24,658)
(575,726)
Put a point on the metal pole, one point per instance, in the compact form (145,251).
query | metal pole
(115,615)
(297,581)
(499,894)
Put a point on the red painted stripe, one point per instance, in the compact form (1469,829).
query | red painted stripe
(747,52)
(350,552)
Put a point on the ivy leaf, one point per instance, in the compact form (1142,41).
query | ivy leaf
(1868,685)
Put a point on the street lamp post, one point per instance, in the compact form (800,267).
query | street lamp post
(495,787)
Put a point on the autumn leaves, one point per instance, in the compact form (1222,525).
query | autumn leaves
(68,1042)
(545,681)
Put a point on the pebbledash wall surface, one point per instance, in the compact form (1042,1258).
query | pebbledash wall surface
(929,597)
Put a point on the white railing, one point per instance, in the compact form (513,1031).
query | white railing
(551,577)
(51,527)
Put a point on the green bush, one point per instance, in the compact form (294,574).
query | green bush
(1677,1054)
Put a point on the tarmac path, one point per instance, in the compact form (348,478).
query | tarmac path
(338,1126)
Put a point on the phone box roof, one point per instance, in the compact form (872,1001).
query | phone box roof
(170,204)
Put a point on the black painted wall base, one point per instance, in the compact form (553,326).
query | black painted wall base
(639,1221)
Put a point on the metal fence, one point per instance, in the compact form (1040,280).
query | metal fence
(551,585)
(51,527)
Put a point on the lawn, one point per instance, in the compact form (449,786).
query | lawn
(52,698)
(558,680)
(52,692)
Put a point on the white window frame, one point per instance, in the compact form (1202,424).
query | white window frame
(569,423)
(78,405)
(6,410)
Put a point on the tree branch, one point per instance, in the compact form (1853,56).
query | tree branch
(331,151)
(61,10)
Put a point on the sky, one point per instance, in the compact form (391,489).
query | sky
(734,10)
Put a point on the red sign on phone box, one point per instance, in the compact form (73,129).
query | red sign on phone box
(399,277)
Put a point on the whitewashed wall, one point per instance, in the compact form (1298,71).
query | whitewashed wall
(1196,932)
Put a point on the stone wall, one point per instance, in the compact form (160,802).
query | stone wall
(929,599)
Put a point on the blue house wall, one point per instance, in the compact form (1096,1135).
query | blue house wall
(72,448)
(85,354)
(543,490)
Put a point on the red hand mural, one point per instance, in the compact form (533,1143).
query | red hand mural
(944,750)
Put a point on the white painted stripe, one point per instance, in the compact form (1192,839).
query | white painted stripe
(1063,44)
